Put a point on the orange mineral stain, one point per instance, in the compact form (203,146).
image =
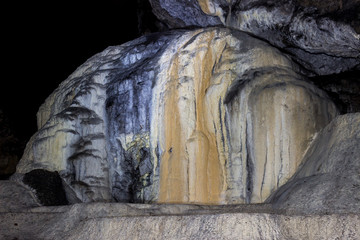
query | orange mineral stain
(191,171)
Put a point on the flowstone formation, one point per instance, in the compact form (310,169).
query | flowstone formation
(217,129)
(210,116)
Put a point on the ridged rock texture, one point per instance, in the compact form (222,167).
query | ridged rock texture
(324,36)
(210,116)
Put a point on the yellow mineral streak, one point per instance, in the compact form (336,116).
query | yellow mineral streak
(206,6)
(192,169)
(210,8)
(208,178)
(173,168)
(204,146)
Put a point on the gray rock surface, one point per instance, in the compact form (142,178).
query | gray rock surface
(142,221)
(189,14)
(138,122)
(329,179)
(322,43)
(15,196)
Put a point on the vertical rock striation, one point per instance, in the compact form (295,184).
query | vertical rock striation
(235,120)
(279,115)
(209,116)
(71,137)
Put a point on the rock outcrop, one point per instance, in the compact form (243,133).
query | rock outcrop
(329,179)
(209,116)
(323,40)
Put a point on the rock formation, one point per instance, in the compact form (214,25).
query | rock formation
(220,113)
(206,116)
(320,202)
(329,179)
(323,40)
(16,196)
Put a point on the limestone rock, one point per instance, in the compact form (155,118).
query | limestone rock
(15,196)
(324,42)
(329,179)
(179,15)
(142,221)
(209,116)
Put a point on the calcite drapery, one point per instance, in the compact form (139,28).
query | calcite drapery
(209,116)
(225,120)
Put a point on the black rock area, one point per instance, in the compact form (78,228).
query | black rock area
(48,187)
(11,147)
(343,89)
(57,37)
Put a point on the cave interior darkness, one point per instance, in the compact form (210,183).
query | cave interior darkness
(45,41)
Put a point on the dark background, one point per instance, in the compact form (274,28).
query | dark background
(44,42)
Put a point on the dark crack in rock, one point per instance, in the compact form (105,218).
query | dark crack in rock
(48,187)
(344,89)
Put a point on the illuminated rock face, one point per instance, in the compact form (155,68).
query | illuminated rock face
(322,43)
(208,116)
(330,175)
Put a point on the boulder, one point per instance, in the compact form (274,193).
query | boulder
(210,116)
(329,179)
